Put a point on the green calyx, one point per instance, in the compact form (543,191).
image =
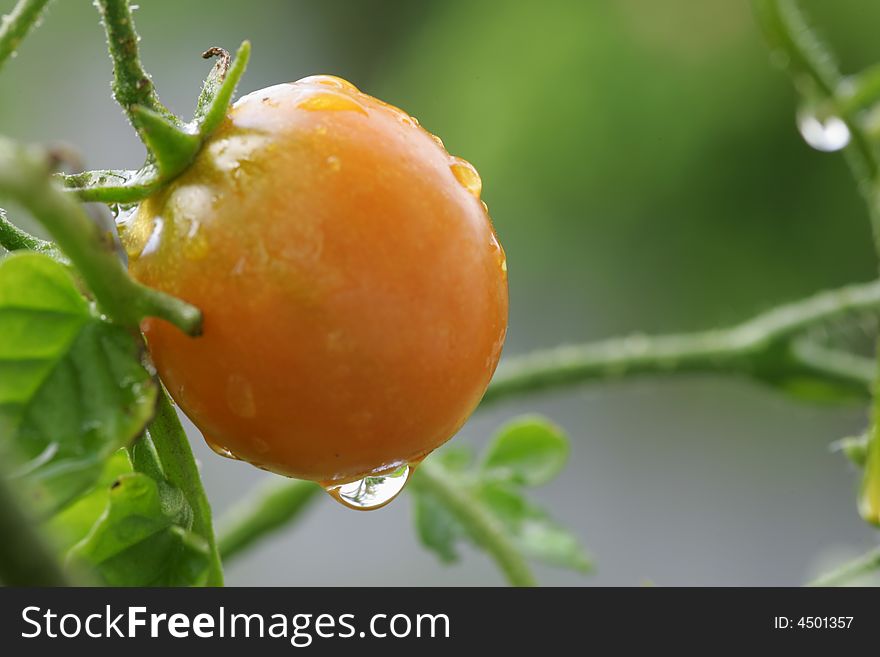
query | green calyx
(171,144)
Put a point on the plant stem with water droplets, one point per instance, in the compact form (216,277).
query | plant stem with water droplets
(132,85)
(814,71)
(808,59)
(751,348)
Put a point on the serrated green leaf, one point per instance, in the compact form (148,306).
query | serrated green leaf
(534,532)
(137,542)
(437,529)
(529,451)
(72,387)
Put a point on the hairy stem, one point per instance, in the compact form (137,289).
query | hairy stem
(810,61)
(132,85)
(815,74)
(483,528)
(264,512)
(25,558)
(17,24)
(750,348)
(24,176)
(181,471)
(864,565)
(112,185)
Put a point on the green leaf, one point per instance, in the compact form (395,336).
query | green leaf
(534,532)
(437,528)
(529,451)
(138,541)
(72,387)
(74,522)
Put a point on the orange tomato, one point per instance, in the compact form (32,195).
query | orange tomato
(353,289)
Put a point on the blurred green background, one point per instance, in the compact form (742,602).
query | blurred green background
(642,166)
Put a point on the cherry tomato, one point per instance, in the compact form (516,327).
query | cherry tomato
(353,289)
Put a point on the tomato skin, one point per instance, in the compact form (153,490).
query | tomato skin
(353,289)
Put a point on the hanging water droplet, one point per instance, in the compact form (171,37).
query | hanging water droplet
(219,449)
(826,134)
(371,492)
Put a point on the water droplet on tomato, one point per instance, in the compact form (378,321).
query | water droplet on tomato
(371,492)
(330,102)
(328,81)
(220,450)
(467,175)
(826,134)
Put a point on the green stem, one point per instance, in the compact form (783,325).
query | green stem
(25,558)
(132,85)
(24,176)
(17,24)
(482,526)
(263,513)
(181,471)
(864,565)
(860,91)
(815,73)
(113,185)
(809,59)
(869,495)
(750,348)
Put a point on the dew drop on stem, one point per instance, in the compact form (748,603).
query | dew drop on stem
(828,134)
